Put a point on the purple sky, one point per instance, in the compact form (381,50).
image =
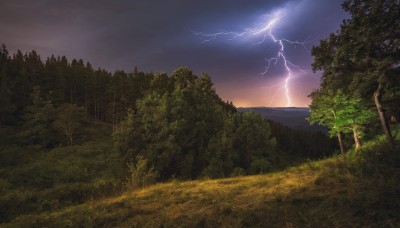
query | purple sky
(157,36)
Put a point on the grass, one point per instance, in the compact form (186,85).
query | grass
(35,180)
(361,189)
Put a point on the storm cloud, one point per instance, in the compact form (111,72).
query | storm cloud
(158,36)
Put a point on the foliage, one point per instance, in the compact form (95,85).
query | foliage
(38,118)
(188,132)
(260,165)
(300,144)
(124,137)
(341,113)
(324,110)
(353,118)
(140,174)
(176,121)
(237,172)
(68,121)
(362,60)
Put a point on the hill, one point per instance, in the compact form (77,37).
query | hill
(293,117)
(357,190)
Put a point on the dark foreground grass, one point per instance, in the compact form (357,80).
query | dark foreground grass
(357,190)
(35,180)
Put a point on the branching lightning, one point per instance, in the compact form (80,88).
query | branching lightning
(266,32)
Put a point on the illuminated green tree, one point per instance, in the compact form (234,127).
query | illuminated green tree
(341,114)
(352,118)
(324,111)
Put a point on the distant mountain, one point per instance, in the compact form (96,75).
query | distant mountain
(292,117)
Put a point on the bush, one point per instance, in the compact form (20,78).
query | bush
(237,172)
(140,174)
(261,165)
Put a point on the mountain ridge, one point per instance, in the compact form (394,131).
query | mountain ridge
(293,117)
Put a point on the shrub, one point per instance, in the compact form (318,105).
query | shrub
(238,172)
(140,174)
(258,166)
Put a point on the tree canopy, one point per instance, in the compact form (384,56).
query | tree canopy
(176,121)
(362,60)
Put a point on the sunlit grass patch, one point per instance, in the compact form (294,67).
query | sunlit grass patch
(336,192)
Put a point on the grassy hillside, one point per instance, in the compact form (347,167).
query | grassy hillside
(36,180)
(359,189)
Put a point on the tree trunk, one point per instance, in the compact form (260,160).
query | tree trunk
(98,110)
(357,138)
(342,147)
(113,112)
(381,112)
(95,104)
(68,133)
(86,106)
(70,95)
(95,108)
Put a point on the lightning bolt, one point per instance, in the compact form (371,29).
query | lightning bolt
(266,32)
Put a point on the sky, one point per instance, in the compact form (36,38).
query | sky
(160,36)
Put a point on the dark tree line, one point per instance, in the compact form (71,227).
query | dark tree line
(302,143)
(103,96)
(176,123)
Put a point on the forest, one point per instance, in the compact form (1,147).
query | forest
(159,127)
(71,134)
(177,122)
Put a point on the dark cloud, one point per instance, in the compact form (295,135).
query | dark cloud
(158,35)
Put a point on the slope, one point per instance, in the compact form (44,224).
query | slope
(359,189)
